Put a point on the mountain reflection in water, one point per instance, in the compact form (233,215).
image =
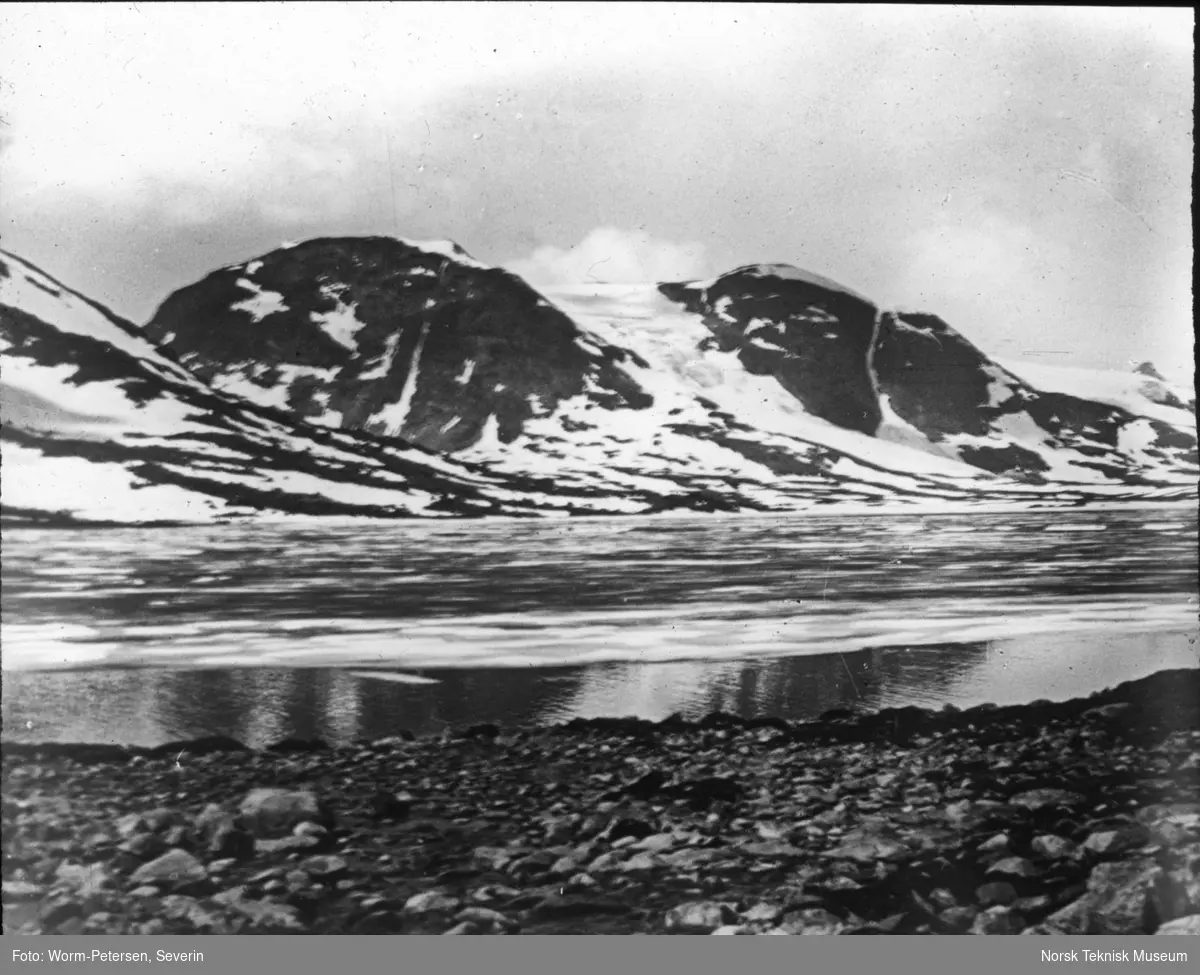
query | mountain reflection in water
(262,634)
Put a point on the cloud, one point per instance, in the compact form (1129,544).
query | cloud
(613,256)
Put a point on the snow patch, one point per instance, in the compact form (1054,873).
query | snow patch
(395,415)
(341,324)
(261,303)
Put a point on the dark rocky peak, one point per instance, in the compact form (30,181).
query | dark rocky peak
(811,334)
(937,381)
(402,339)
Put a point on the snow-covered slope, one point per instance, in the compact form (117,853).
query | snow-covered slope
(100,425)
(383,378)
(975,409)
(1141,392)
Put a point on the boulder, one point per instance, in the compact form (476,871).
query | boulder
(174,870)
(698,917)
(273,813)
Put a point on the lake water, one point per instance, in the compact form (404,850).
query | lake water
(344,632)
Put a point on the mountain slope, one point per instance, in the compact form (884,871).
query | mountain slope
(100,425)
(943,386)
(399,339)
(615,387)
(382,378)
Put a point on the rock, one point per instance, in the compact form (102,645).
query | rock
(130,825)
(174,870)
(999,842)
(812,920)
(1038,799)
(1053,847)
(868,849)
(325,868)
(1113,843)
(392,805)
(271,813)
(692,858)
(146,890)
(494,857)
(698,917)
(731,929)
(624,826)
(53,913)
(641,863)
(431,902)
(21,890)
(1014,867)
(648,786)
(285,844)
(942,898)
(1115,901)
(605,863)
(486,917)
(207,917)
(210,819)
(958,920)
(1037,904)
(568,865)
(533,865)
(83,880)
(762,911)
(996,920)
(702,793)
(1181,925)
(773,850)
(229,842)
(995,894)
(145,846)
(181,836)
(269,914)
(657,843)
(464,927)
(567,906)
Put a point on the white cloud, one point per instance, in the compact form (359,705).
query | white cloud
(106,100)
(613,256)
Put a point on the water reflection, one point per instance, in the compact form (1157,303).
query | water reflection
(257,706)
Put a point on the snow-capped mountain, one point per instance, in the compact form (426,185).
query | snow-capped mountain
(387,378)
(619,383)
(100,425)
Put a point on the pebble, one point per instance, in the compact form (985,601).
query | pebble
(431,901)
(1053,847)
(175,869)
(702,917)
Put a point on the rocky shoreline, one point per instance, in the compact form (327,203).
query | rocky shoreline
(1078,817)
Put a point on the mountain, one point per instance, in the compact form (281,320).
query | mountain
(387,378)
(101,425)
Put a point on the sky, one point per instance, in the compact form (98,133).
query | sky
(1025,173)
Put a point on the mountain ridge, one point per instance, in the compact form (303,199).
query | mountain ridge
(378,377)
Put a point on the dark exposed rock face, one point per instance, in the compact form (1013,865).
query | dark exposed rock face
(942,385)
(810,334)
(377,334)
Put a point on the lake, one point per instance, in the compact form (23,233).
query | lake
(349,631)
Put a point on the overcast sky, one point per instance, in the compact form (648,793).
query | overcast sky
(1023,172)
